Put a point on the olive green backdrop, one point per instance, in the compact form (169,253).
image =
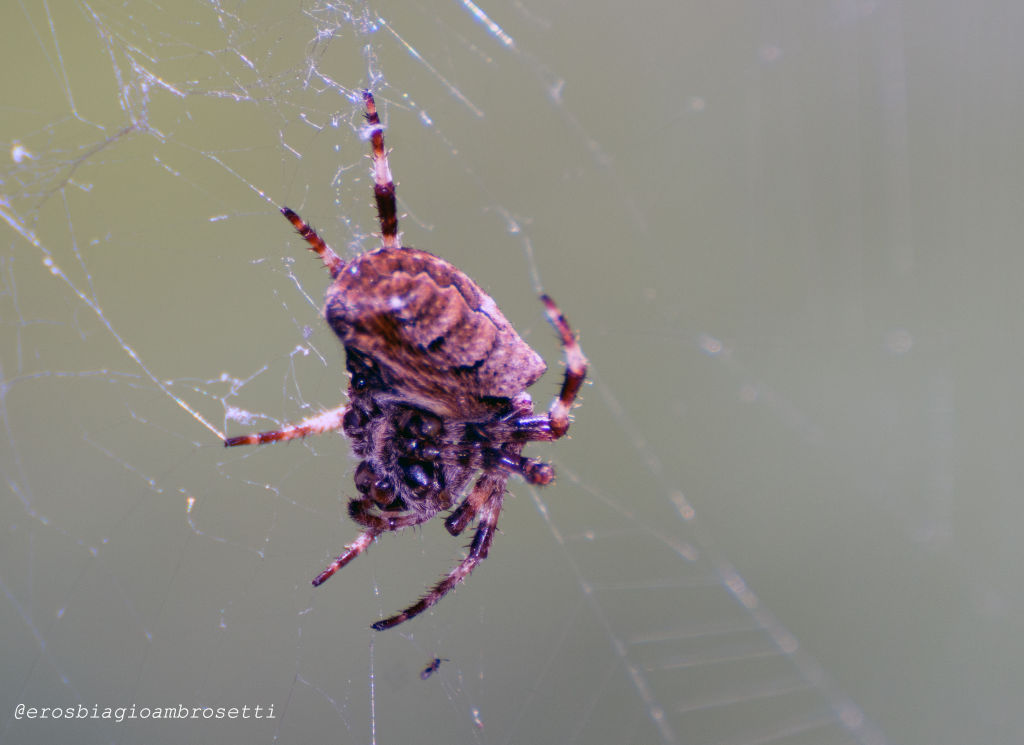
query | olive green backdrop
(788,234)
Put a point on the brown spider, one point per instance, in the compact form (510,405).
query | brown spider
(437,391)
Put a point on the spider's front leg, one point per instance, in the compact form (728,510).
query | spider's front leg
(325,421)
(575,370)
(555,423)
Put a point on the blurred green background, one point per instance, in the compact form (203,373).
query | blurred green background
(787,233)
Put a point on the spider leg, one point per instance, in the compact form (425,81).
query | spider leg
(314,425)
(352,550)
(533,471)
(477,553)
(332,261)
(375,523)
(383,184)
(555,423)
(575,371)
(482,490)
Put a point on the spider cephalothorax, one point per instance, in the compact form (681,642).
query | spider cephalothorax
(437,394)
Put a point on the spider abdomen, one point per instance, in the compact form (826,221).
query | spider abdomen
(438,339)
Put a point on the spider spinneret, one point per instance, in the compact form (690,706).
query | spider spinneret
(437,392)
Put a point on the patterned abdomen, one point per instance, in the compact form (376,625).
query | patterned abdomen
(437,337)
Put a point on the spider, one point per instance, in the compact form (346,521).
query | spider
(437,391)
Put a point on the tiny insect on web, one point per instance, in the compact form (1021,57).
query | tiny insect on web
(433,667)
(437,390)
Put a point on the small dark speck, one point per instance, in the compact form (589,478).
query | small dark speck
(432,667)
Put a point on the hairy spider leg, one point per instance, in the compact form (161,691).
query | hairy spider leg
(332,261)
(532,470)
(325,421)
(352,550)
(383,184)
(495,489)
(463,515)
(359,511)
(555,423)
(575,369)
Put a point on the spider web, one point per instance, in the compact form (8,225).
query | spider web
(722,559)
